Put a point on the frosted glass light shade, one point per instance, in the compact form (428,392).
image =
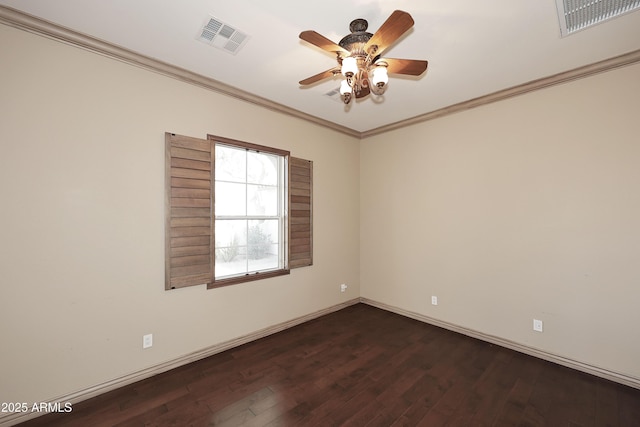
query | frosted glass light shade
(344,87)
(349,66)
(380,76)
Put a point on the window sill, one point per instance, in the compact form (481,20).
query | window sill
(246,278)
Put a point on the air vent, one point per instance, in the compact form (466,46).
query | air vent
(216,33)
(334,94)
(577,15)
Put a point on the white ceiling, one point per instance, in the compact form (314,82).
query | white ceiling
(474,48)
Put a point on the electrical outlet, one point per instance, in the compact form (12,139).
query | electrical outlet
(537,325)
(147,341)
(343,288)
(434,300)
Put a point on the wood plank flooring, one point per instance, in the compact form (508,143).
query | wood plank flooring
(362,366)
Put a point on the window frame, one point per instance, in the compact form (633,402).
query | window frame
(217,283)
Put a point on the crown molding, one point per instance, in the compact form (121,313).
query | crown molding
(629,58)
(20,20)
(32,24)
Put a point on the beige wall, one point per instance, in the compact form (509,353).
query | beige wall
(82,226)
(520,209)
(526,208)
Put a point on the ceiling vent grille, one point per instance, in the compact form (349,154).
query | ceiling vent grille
(334,95)
(216,33)
(577,15)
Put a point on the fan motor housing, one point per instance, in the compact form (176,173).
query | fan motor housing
(359,36)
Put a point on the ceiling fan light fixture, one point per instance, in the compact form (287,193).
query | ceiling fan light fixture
(345,91)
(359,57)
(345,87)
(380,77)
(349,66)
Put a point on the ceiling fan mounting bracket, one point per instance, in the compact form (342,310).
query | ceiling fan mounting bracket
(358,25)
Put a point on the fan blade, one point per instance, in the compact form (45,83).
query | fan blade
(322,42)
(320,76)
(396,25)
(410,67)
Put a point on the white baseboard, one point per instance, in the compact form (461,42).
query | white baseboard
(531,351)
(12,419)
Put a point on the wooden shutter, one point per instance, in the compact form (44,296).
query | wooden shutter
(300,212)
(189,231)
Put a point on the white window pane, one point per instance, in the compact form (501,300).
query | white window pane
(270,262)
(231,247)
(248,183)
(261,235)
(230,198)
(262,168)
(232,268)
(262,245)
(262,200)
(231,232)
(231,164)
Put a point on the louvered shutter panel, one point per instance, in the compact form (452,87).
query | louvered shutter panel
(189,231)
(300,212)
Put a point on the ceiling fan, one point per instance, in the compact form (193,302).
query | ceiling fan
(359,56)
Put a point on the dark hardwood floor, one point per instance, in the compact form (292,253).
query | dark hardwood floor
(362,366)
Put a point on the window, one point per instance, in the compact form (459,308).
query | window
(234,212)
(250,210)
